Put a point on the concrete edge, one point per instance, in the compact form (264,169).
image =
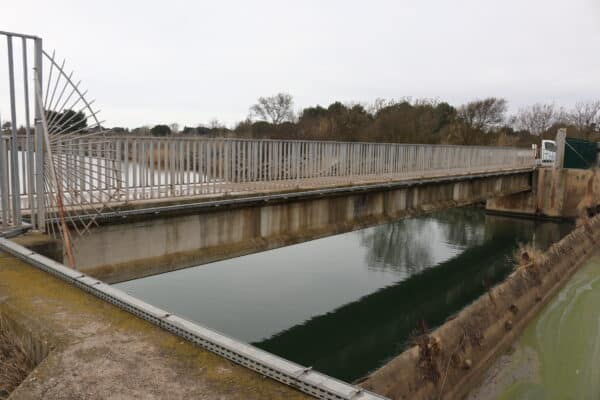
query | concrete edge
(269,365)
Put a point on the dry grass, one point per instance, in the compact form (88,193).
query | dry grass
(527,256)
(16,361)
(529,261)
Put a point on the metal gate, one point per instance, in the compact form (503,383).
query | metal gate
(48,163)
(21,155)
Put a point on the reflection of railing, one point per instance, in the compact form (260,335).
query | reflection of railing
(153,168)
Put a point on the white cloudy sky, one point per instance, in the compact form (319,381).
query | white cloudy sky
(191,61)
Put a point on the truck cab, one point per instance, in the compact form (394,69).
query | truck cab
(548,153)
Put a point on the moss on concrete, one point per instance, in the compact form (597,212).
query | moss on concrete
(468,344)
(100,351)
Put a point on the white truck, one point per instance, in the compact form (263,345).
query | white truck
(548,153)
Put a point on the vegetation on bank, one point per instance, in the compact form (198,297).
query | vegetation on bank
(479,122)
(16,361)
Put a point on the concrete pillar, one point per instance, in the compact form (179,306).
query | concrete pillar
(561,137)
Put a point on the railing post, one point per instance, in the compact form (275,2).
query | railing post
(39,139)
(15,182)
(4,191)
(29,135)
(561,139)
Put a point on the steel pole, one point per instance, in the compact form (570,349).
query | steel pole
(29,135)
(14,155)
(39,138)
(5,201)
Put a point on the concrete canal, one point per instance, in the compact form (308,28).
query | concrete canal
(346,304)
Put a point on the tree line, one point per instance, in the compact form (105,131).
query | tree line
(478,122)
(429,121)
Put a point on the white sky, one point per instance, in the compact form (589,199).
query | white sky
(147,62)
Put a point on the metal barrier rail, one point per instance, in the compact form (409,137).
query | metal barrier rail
(266,364)
(186,166)
(18,176)
(131,168)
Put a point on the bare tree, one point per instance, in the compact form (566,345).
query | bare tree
(585,116)
(380,103)
(174,127)
(538,118)
(215,124)
(483,114)
(275,109)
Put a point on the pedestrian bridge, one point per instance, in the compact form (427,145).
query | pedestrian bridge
(199,200)
(124,207)
(101,173)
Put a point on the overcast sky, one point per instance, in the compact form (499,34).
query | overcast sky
(147,62)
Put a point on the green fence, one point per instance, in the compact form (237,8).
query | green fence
(580,154)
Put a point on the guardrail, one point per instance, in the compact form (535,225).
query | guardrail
(305,379)
(108,169)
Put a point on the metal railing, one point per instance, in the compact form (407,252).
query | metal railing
(187,166)
(154,168)
(22,174)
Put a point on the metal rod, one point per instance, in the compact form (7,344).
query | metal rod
(14,155)
(39,141)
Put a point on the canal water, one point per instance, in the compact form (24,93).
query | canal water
(558,354)
(346,304)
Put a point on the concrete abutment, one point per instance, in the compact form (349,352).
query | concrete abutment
(152,244)
(557,193)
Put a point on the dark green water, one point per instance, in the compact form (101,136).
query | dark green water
(345,304)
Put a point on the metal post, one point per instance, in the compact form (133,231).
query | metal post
(561,138)
(4,182)
(29,135)
(39,139)
(14,148)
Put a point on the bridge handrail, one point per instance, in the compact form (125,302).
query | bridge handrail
(229,138)
(164,167)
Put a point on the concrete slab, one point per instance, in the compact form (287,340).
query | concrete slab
(98,351)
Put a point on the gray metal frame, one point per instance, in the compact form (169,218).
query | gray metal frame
(11,183)
(156,168)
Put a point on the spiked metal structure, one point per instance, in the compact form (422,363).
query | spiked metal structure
(65,171)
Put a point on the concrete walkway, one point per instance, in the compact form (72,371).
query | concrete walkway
(98,351)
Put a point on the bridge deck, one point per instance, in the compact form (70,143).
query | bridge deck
(154,195)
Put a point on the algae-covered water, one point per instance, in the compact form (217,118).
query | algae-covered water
(558,355)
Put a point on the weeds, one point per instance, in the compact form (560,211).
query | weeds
(16,361)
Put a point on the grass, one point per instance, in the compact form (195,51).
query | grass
(528,256)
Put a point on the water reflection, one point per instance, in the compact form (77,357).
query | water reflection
(408,246)
(346,303)
(360,336)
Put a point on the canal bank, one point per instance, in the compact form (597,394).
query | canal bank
(558,354)
(449,361)
(86,348)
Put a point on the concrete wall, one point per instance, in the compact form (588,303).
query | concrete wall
(155,244)
(450,361)
(558,193)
